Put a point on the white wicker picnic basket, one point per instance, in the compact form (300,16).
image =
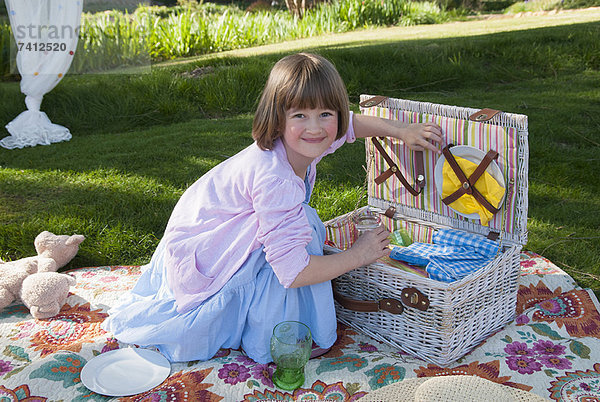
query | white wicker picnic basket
(436,321)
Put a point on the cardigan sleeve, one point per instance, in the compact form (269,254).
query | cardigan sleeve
(283,227)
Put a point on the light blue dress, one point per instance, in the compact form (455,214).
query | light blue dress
(242,314)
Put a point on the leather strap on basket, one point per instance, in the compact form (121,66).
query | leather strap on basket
(390,305)
(484,115)
(394,170)
(468,183)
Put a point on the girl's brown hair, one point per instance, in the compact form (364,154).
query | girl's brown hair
(300,81)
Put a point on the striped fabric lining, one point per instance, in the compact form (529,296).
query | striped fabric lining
(484,136)
(340,232)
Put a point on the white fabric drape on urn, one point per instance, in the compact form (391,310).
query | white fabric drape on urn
(46,34)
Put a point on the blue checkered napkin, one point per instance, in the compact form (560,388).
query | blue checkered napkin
(452,237)
(410,256)
(454,255)
(455,266)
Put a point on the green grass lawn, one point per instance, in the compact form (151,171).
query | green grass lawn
(140,139)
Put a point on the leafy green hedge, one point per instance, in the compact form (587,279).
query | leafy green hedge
(152,33)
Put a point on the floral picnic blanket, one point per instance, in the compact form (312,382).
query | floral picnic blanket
(552,348)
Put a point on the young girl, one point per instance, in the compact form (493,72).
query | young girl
(243,250)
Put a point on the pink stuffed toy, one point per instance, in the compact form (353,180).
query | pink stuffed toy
(54,252)
(44,293)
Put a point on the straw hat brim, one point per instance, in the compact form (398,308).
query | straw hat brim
(456,388)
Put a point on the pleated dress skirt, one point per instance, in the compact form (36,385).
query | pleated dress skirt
(242,314)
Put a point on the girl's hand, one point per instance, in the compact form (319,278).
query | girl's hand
(423,136)
(371,246)
(417,136)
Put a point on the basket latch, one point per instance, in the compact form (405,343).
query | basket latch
(412,297)
(493,236)
(394,170)
(390,212)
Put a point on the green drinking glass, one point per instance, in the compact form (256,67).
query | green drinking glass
(291,345)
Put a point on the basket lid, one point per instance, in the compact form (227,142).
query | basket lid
(397,178)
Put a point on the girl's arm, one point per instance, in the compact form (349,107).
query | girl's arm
(418,136)
(372,245)
(367,249)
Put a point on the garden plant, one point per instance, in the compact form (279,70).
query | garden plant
(141,138)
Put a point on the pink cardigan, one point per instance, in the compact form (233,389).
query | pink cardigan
(250,200)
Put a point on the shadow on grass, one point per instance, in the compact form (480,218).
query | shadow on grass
(164,130)
(415,67)
(122,222)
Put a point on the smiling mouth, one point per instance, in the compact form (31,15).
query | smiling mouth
(314,140)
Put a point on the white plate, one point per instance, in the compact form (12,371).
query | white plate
(474,155)
(124,372)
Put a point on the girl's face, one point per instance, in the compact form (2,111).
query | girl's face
(307,134)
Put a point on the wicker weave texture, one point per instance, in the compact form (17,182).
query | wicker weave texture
(460,314)
(463,313)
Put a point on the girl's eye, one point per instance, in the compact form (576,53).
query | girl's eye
(298,115)
(326,114)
